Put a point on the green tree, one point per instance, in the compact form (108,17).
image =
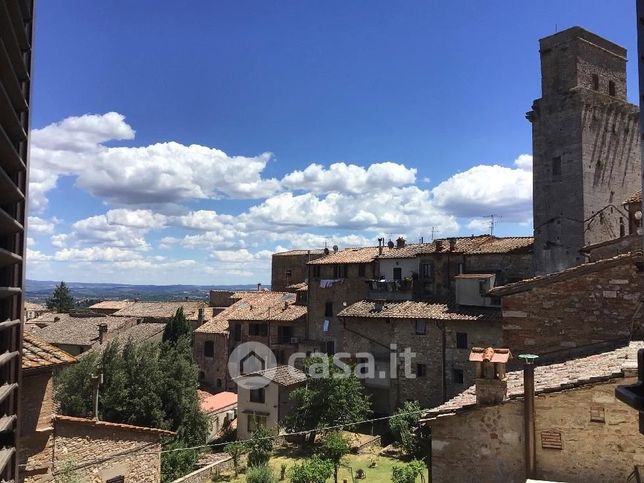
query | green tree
(236,449)
(260,474)
(145,384)
(334,449)
(312,470)
(330,397)
(260,447)
(409,472)
(176,328)
(404,425)
(61,300)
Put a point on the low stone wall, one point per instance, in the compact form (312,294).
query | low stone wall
(204,474)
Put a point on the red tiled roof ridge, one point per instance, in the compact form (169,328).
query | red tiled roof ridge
(108,424)
(528,283)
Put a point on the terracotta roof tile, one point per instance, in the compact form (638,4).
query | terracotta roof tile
(348,255)
(80,330)
(483,244)
(37,353)
(299,252)
(108,425)
(579,270)
(34,306)
(480,354)
(282,375)
(211,403)
(418,310)
(634,198)
(111,304)
(555,377)
(162,310)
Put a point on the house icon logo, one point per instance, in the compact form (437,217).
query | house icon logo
(251,365)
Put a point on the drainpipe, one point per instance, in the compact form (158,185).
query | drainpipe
(528,414)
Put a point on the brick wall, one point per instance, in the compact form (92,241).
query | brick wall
(486,444)
(590,308)
(139,453)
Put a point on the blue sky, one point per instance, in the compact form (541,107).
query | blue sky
(183,142)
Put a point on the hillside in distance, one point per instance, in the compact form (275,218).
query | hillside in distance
(38,291)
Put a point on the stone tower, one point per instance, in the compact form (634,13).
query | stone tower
(585,143)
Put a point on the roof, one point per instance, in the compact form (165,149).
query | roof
(298,287)
(80,330)
(480,354)
(299,252)
(264,305)
(409,309)
(579,270)
(162,310)
(634,198)
(556,377)
(34,306)
(212,403)
(472,245)
(281,375)
(111,305)
(139,333)
(37,353)
(348,255)
(108,425)
(475,276)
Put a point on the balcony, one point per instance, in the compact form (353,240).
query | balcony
(391,289)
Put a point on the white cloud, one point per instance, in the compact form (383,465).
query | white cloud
(488,189)
(162,173)
(479,225)
(350,178)
(40,226)
(96,254)
(36,256)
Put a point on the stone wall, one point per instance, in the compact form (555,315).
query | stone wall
(100,453)
(353,289)
(36,441)
(213,371)
(599,438)
(590,308)
(205,474)
(290,269)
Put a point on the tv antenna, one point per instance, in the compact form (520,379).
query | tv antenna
(494,219)
(434,231)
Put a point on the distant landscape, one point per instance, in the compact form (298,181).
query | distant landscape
(38,291)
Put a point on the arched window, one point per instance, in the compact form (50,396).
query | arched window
(209,349)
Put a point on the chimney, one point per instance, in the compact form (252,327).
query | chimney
(528,414)
(400,242)
(379,305)
(390,244)
(259,287)
(102,330)
(491,381)
(285,305)
(200,317)
(381,245)
(439,245)
(452,244)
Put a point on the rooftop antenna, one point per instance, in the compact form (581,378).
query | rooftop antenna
(493,221)
(434,231)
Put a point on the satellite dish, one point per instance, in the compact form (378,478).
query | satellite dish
(335,248)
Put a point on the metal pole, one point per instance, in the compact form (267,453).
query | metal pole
(528,414)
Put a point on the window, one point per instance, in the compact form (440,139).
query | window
(426,270)
(288,274)
(421,327)
(328,309)
(457,376)
(339,271)
(238,332)
(284,334)
(556,167)
(209,349)
(362,269)
(316,271)
(260,330)
(397,273)
(611,88)
(255,421)
(257,395)
(421,370)
(279,356)
(461,340)
(595,82)
(218,382)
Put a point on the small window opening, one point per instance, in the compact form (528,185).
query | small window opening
(611,88)
(461,340)
(595,82)
(458,376)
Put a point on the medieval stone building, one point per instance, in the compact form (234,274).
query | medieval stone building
(585,137)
